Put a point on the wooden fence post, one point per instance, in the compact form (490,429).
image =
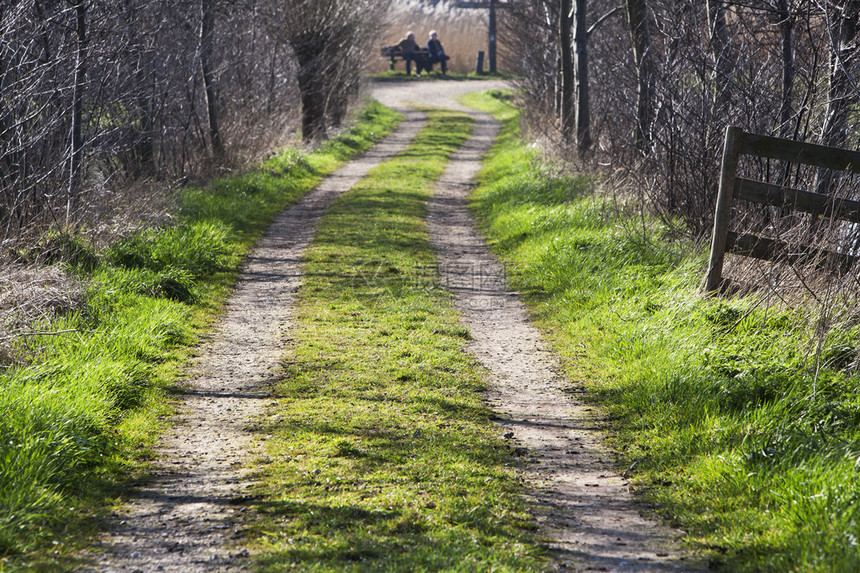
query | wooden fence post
(725,196)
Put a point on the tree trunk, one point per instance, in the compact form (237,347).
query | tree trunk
(640,34)
(145,146)
(566,57)
(206,32)
(77,139)
(580,67)
(786,29)
(721,51)
(558,87)
(312,91)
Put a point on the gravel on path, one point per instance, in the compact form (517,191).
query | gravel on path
(186,518)
(582,505)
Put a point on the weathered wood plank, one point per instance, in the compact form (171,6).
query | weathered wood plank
(732,187)
(749,245)
(731,151)
(806,201)
(803,153)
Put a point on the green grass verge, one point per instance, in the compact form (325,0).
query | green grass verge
(382,456)
(736,434)
(77,418)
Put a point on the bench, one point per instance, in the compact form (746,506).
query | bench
(421,58)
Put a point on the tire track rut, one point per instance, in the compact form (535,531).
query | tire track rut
(187,516)
(583,506)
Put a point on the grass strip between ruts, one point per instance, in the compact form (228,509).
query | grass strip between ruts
(382,456)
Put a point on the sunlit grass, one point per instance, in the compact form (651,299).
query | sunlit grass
(82,406)
(383,457)
(718,402)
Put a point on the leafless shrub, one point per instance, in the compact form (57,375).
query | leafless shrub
(778,67)
(30,296)
(331,41)
(97,97)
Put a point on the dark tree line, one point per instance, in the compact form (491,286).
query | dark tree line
(650,85)
(95,96)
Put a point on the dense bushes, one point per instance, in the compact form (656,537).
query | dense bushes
(198,249)
(663,78)
(106,101)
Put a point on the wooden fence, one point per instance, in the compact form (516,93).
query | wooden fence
(733,187)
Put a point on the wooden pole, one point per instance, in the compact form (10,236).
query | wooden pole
(491,44)
(492,5)
(722,216)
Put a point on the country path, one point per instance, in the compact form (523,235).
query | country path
(582,505)
(188,515)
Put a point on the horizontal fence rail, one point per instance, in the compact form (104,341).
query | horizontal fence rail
(796,152)
(806,201)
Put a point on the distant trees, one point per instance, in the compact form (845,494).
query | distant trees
(97,95)
(668,76)
(842,26)
(329,39)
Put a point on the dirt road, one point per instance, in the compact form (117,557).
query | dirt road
(582,505)
(187,517)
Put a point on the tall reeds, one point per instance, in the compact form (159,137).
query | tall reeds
(463,31)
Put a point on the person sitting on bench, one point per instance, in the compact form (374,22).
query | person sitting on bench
(437,53)
(408,46)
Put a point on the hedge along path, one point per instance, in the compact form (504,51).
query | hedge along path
(187,515)
(582,505)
